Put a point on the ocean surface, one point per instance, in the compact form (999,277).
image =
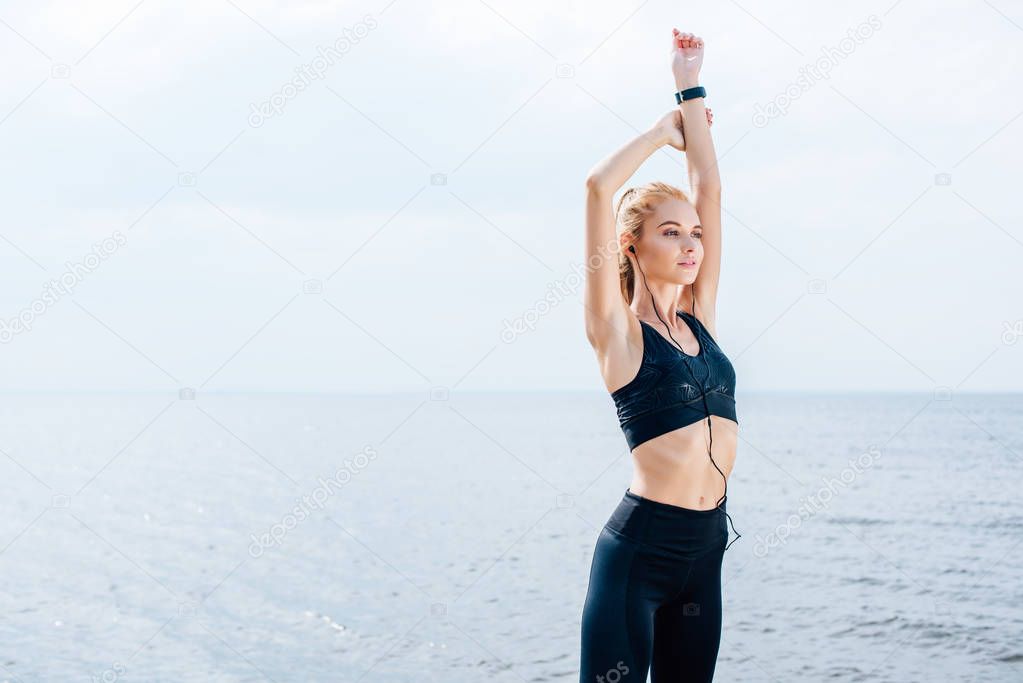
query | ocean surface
(300,537)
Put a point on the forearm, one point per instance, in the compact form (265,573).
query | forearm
(611,172)
(700,155)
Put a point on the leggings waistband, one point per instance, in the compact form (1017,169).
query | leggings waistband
(669,526)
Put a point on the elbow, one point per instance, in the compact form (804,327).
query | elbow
(595,184)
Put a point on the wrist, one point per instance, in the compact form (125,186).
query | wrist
(656,136)
(683,83)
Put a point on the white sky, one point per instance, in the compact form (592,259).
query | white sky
(104,106)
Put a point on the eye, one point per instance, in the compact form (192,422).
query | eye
(672,232)
(698,234)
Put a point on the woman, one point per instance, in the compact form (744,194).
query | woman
(654,598)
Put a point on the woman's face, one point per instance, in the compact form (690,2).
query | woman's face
(670,248)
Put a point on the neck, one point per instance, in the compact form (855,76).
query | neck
(666,296)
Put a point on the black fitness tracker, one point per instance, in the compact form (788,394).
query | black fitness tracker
(690,93)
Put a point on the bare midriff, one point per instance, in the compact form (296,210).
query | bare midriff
(675,468)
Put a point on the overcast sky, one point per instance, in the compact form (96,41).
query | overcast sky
(381,227)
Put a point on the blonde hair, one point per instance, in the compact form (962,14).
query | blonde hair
(634,207)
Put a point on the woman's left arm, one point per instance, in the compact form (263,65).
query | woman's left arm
(704,180)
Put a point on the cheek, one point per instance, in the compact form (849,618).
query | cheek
(667,252)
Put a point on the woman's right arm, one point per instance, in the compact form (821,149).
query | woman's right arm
(606,310)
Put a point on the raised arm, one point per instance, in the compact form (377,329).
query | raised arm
(705,182)
(606,309)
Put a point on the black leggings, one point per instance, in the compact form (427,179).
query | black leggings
(654,597)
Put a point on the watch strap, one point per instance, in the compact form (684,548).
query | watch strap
(690,93)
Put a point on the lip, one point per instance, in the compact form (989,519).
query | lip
(687,264)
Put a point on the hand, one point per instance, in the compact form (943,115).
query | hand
(668,130)
(686,58)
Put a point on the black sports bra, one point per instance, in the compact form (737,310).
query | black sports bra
(661,397)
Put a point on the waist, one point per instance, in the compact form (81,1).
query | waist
(672,527)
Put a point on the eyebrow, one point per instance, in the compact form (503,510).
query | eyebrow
(680,225)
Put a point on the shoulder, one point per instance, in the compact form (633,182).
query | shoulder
(706,320)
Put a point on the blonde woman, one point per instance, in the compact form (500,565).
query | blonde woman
(653,603)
